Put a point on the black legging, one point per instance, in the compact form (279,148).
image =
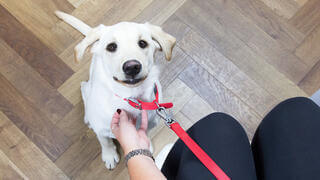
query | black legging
(286,146)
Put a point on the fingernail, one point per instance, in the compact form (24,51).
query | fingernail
(118,111)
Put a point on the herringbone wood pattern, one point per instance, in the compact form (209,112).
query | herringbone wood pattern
(241,57)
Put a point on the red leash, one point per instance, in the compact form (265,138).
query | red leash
(192,145)
(198,151)
(175,126)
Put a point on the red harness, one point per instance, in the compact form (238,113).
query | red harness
(175,126)
(138,104)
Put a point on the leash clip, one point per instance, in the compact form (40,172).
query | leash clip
(137,103)
(161,111)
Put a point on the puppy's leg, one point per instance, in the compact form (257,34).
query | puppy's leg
(108,152)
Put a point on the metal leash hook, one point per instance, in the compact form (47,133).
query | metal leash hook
(161,111)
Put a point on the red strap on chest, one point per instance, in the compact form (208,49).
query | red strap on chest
(138,104)
(199,153)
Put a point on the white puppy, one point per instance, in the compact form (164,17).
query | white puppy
(122,66)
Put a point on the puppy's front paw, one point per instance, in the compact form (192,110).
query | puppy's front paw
(111,158)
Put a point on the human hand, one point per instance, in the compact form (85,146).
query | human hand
(126,133)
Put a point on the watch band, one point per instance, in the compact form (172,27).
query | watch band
(136,152)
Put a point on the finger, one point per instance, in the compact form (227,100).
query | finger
(144,120)
(115,122)
(123,117)
(115,119)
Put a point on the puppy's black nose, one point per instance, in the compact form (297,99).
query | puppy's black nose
(131,67)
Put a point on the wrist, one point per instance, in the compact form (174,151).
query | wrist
(140,158)
(140,154)
(127,150)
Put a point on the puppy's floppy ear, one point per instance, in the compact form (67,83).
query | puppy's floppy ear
(93,35)
(165,40)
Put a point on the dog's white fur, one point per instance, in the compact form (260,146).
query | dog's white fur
(99,92)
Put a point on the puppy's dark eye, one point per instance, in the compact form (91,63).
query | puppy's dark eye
(143,44)
(112,47)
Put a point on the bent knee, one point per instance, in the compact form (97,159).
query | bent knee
(296,102)
(219,121)
(297,110)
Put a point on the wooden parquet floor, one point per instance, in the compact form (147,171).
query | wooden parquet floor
(240,57)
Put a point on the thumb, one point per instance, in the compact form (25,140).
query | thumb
(144,120)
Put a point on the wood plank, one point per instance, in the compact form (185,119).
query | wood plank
(175,27)
(38,17)
(24,154)
(82,152)
(159,11)
(62,5)
(124,174)
(179,94)
(196,109)
(32,50)
(97,170)
(227,73)
(125,10)
(231,20)
(238,52)
(8,170)
(284,8)
(170,70)
(301,2)
(71,88)
(72,125)
(77,3)
(309,50)
(308,17)
(183,120)
(311,83)
(276,27)
(93,12)
(30,120)
(85,147)
(219,97)
(31,85)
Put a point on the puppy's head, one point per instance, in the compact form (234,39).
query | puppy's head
(127,49)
